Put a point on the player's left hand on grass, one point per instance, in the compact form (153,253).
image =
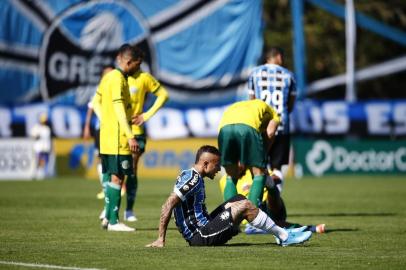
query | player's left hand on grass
(157,243)
(138,120)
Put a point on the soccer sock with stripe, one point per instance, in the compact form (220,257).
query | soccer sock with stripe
(264,222)
(257,189)
(113,197)
(230,190)
(131,186)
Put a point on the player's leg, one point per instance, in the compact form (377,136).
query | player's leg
(279,156)
(42,158)
(220,228)
(254,156)
(117,167)
(131,189)
(241,208)
(276,205)
(102,178)
(230,189)
(113,198)
(257,187)
(228,141)
(132,181)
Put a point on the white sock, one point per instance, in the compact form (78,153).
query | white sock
(264,222)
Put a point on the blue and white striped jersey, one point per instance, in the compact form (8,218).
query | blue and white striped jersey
(274,84)
(191,213)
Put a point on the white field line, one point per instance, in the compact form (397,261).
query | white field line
(47,266)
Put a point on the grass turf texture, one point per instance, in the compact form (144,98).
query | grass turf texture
(55,222)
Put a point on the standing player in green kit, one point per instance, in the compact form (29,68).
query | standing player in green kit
(112,104)
(247,129)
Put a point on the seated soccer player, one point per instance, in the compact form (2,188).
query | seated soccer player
(197,226)
(269,200)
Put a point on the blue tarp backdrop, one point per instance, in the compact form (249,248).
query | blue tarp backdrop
(201,51)
(52,52)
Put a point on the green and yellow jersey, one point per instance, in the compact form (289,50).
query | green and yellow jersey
(112,104)
(140,83)
(254,113)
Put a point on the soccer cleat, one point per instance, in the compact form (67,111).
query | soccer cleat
(293,230)
(300,229)
(104,223)
(100,195)
(249,229)
(294,238)
(119,227)
(129,216)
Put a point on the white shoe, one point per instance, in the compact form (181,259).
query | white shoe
(102,214)
(129,216)
(119,227)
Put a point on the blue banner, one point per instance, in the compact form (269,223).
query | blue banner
(200,50)
(380,119)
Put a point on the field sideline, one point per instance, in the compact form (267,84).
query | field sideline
(55,223)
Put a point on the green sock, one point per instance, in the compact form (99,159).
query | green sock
(131,186)
(230,189)
(113,197)
(257,189)
(105,180)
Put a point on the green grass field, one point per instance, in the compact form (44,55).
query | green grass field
(55,222)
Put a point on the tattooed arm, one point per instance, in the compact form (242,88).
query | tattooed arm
(166,213)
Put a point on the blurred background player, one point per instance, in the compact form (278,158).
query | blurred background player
(141,83)
(275,85)
(41,133)
(112,104)
(246,130)
(88,132)
(199,228)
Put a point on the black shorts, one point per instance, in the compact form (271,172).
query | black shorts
(279,152)
(219,229)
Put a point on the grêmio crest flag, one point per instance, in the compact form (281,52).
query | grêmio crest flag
(200,50)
